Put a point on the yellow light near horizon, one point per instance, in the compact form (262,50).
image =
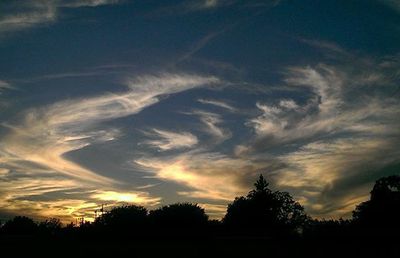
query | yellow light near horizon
(116,196)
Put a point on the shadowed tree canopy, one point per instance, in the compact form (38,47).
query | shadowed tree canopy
(20,225)
(52,226)
(383,208)
(128,216)
(179,215)
(264,211)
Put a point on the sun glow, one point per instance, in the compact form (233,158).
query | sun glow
(117,197)
(141,198)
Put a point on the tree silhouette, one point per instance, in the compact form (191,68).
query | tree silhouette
(261,185)
(179,215)
(383,208)
(123,218)
(263,211)
(50,226)
(20,225)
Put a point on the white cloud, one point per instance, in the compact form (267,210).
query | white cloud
(3,87)
(269,122)
(211,175)
(217,103)
(288,104)
(86,3)
(199,5)
(35,148)
(327,111)
(47,134)
(321,166)
(40,13)
(210,3)
(338,137)
(324,45)
(29,14)
(211,122)
(325,82)
(169,83)
(171,140)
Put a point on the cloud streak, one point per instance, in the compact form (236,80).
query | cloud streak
(319,169)
(345,130)
(211,122)
(42,139)
(35,14)
(28,14)
(5,86)
(47,134)
(210,175)
(171,140)
(218,103)
(327,110)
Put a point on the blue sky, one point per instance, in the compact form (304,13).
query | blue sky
(155,102)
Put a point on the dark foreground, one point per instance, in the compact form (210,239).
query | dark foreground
(262,224)
(218,246)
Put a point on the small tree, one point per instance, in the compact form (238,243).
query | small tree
(261,186)
(263,211)
(383,208)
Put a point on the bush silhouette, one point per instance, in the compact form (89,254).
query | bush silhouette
(383,208)
(263,211)
(123,218)
(179,215)
(20,225)
(50,226)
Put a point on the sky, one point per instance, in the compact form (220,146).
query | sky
(152,102)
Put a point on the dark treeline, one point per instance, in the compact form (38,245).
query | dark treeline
(265,222)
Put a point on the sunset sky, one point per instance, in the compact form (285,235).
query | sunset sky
(153,102)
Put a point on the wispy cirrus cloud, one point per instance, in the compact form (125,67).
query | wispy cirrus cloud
(211,122)
(326,148)
(87,3)
(23,15)
(202,5)
(333,176)
(206,4)
(40,141)
(210,175)
(326,111)
(185,7)
(46,134)
(31,15)
(5,86)
(218,103)
(168,140)
(338,139)
(190,6)
(42,197)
